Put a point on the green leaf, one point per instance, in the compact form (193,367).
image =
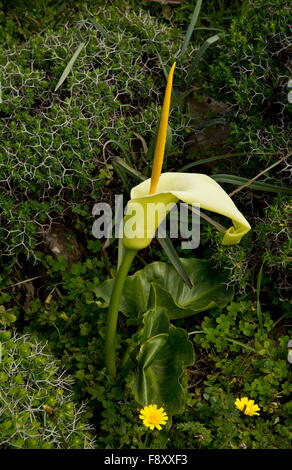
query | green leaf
(70,64)
(128,169)
(198,56)
(173,257)
(239,181)
(172,294)
(164,353)
(121,174)
(204,161)
(191,27)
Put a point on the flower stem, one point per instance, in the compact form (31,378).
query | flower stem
(146,442)
(112,316)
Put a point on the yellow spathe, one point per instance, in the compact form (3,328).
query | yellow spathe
(192,188)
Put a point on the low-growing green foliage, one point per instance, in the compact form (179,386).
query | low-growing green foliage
(237,358)
(71,319)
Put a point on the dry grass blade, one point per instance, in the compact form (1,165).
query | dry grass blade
(142,140)
(218,226)
(248,183)
(19,283)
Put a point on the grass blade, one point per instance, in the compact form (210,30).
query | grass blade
(234,341)
(97,25)
(259,310)
(239,181)
(101,29)
(198,56)
(191,27)
(121,174)
(162,65)
(239,343)
(143,142)
(220,157)
(208,160)
(128,169)
(123,149)
(69,66)
(173,257)
(258,175)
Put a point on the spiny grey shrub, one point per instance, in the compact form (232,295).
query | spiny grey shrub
(36,399)
(251,73)
(55,146)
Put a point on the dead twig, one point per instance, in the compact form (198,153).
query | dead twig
(257,176)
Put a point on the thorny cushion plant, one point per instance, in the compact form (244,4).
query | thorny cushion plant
(164,190)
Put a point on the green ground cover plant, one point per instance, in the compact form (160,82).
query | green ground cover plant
(58,156)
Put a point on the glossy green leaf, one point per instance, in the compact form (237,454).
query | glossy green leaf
(165,352)
(172,293)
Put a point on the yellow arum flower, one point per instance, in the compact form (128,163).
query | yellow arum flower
(248,407)
(150,202)
(154,198)
(145,211)
(153,417)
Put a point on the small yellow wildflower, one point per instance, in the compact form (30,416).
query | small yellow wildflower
(153,417)
(248,407)
(48,409)
(64,316)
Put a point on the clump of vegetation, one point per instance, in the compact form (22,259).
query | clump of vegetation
(251,74)
(37,409)
(56,146)
(237,356)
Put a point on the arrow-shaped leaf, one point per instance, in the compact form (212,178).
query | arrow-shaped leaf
(162,359)
(210,289)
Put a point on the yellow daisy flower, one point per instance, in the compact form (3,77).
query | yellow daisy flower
(248,407)
(153,417)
